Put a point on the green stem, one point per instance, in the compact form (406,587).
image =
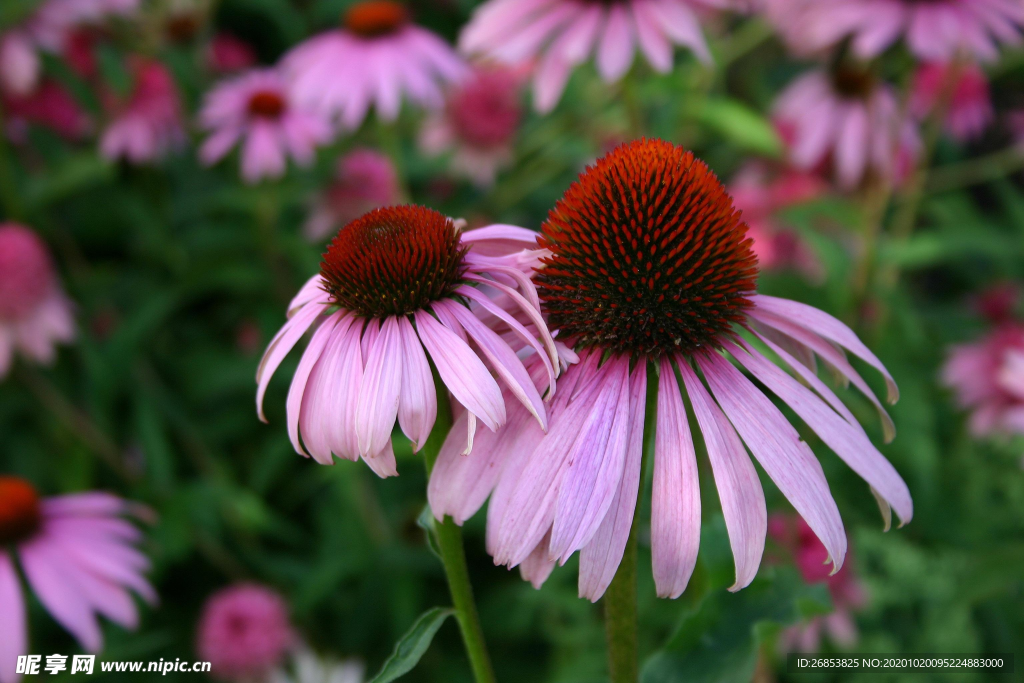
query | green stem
(10,197)
(453,554)
(620,612)
(974,171)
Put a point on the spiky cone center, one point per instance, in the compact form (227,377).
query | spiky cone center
(375,18)
(267,104)
(20,512)
(648,255)
(394,261)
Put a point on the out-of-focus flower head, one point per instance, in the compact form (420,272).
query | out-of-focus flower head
(146,123)
(646,268)
(998,303)
(562,34)
(394,285)
(365,179)
(760,197)
(960,90)
(34,312)
(934,30)
(78,554)
(49,105)
(987,378)
(375,58)
(478,124)
(244,632)
(256,111)
(848,595)
(846,115)
(227,54)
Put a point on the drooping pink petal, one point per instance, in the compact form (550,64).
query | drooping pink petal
(383,463)
(675,501)
(380,390)
(279,347)
(417,406)
(60,594)
(739,489)
(615,51)
(777,446)
(293,404)
(13,627)
(318,399)
(537,566)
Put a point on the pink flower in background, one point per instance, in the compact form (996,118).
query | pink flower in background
(760,198)
(562,34)
(396,282)
(49,105)
(79,558)
(646,267)
(375,58)
(255,111)
(147,124)
(998,302)
(987,378)
(227,54)
(847,593)
(19,64)
(961,90)
(847,116)
(934,30)
(34,312)
(364,180)
(244,632)
(478,124)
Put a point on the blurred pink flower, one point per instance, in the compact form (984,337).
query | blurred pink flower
(377,55)
(254,110)
(19,64)
(34,312)
(244,632)
(935,30)
(562,34)
(966,101)
(650,212)
(366,366)
(49,105)
(998,302)
(847,593)
(147,124)
(987,378)
(227,54)
(478,124)
(776,245)
(849,116)
(79,558)
(364,180)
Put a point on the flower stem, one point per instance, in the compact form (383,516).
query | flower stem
(453,554)
(620,612)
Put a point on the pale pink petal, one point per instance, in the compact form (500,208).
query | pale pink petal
(739,489)
(852,145)
(615,51)
(60,594)
(537,567)
(651,38)
(262,154)
(279,347)
(13,627)
(383,463)
(417,406)
(319,401)
(675,501)
(310,356)
(380,390)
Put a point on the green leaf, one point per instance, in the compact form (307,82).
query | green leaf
(75,174)
(718,642)
(741,125)
(413,644)
(426,522)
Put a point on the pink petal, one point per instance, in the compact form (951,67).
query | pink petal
(462,371)
(537,567)
(13,627)
(651,38)
(317,416)
(739,489)
(675,501)
(383,463)
(417,406)
(599,559)
(777,446)
(310,356)
(852,145)
(279,346)
(615,52)
(380,390)
(60,594)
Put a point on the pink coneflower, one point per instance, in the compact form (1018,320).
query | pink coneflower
(846,591)
(19,63)
(935,30)
(377,56)
(79,558)
(648,269)
(227,54)
(987,377)
(49,105)
(146,125)
(256,111)
(847,115)
(396,281)
(244,632)
(34,312)
(478,124)
(760,197)
(364,180)
(562,34)
(960,90)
